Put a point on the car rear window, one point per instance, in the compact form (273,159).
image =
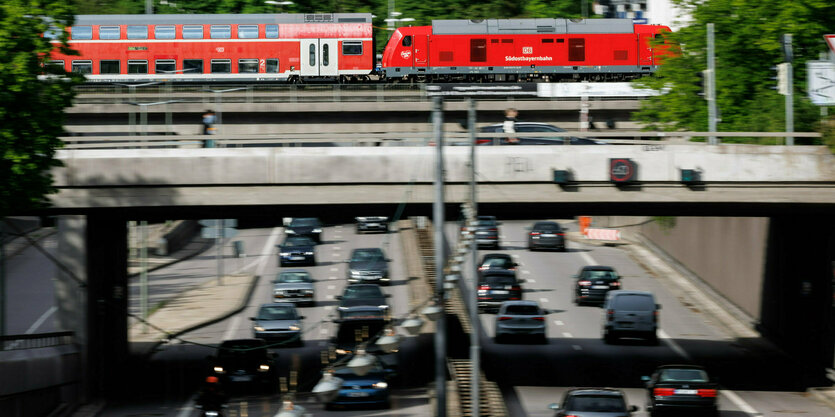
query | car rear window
(596,403)
(522,310)
(634,302)
(497,263)
(499,280)
(547,226)
(362,292)
(486,222)
(683,375)
(293,277)
(304,222)
(600,275)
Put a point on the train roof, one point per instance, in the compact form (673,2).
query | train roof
(220,19)
(531,26)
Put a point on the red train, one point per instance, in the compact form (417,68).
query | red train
(340,46)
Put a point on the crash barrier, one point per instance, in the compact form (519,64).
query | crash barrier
(602,234)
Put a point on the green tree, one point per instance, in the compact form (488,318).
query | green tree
(31,109)
(747,46)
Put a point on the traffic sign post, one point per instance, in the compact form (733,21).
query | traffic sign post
(218,229)
(821,82)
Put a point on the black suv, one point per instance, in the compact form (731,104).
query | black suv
(305,226)
(356,295)
(497,286)
(597,402)
(244,361)
(680,388)
(594,282)
(548,235)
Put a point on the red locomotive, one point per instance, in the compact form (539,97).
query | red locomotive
(224,47)
(340,46)
(522,49)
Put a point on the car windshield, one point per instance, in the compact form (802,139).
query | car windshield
(294,241)
(592,274)
(486,222)
(276,313)
(361,292)
(242,349)
(293,277)
(367,255)
(522,310)
(549,227)
(348,372)
(634,302)
(596,403)
(363,314)
(499,280)
(683,375)
(304,222)
(497,263)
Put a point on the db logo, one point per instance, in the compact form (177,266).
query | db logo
(527,50)
(219,49)
(406,54)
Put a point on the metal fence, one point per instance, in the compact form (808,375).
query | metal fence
(32,341)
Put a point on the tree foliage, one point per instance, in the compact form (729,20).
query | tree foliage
(31,110)
(747,46)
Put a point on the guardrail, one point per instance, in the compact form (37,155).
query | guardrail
(33,341)
(389,139)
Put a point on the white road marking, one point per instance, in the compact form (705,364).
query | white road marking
(336,255)
(566,334)
(41,319)
(337,227)
(233,326)
(334,269)
(543,300)
(331,287)
(266,250)
(744,406)
(559,323)
(328,308)
(330,297)
(331,277)
(532,281)
(589,260)
(323,331)
(673,345)
(337,248)
(515,256)
(576,347)
(188,408)
(526,272)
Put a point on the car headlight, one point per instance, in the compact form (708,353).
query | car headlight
(219,370)
(381,385)
(342,308)
(258,328)
(290,232)
(308,291)
(355,273)
(342,352)
(263,368)
(278,292)
(384,307)
(317,230)
(309,253)
(284,253)
(295,328)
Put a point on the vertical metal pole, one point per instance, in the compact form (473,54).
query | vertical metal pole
(711,86)
(2,285)
(584,9)
(438,219)
(149,6)
(143,273)
(475,349)
(219,225)
(790,85)
(218,114)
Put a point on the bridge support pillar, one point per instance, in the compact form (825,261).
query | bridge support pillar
(91,288)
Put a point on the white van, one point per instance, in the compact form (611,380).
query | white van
(630,314)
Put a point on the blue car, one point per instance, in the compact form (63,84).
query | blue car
(297,250)
(371,389)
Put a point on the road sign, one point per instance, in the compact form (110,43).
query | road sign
(622,170)
(219,222)
(216,233)
(821,82)
(830,40)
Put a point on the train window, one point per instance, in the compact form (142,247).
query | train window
(109,32)
(193,66)
(478,50)
(507,40)
(82,32)
(137,67)
(407,41)
(56,63)
(560,40)
(109,66)
(271,31)
(312,53)
(82,67)
(164,32)
(54,32)
(547,41)
(325,55)
(165,66)
(247,65)
(221,66)
(352,48)
(247,31)
(137,32)
(577,49)
(272,65)
(220,31)
(192,32)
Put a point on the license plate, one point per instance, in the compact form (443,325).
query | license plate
(296,258)
(244,378)
(357,394)
(373,225)
(500,292)
(600,287)
(686,391)
(548,235)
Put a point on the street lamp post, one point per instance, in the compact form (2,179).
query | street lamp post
(438,219)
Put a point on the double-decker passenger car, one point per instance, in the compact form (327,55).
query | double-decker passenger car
(220,47)
(523,49)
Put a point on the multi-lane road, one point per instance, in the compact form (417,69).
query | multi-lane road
(756,379)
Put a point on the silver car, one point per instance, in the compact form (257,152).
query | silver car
(278,322)
(520,319)
(294,286)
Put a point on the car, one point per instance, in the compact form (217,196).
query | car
(356,295)
(630,314)
(278,322)
(546,235)
(593,282)
(533,127)
(496,287)
(305,226)
(294,286)
(244,362)
(372,224)
(497,261)
(297,250)
(371,389)
(593,402)
(680,388)
(368,265)
(361,327)
(487,231)
(521,319)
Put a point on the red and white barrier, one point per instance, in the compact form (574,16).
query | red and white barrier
(602,234)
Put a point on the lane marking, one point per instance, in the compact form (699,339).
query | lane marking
(566,334)
(576,347)
(328,308)
(337,227)
(233,326)
(515,256)
(331,277)
(673,345)
(334,269)
(331,287)
(532,281)
(41,319)
(589,260)
(336,255)
(559,323)
(188,408)
(543,300)
(337,248)
(266,249)
(526,272)
(739,402)
(323,331)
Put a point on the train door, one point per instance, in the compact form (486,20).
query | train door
(319,57)
(420,50)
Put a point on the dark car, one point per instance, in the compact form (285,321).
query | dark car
(546,235)
(593,402)
(356,295)
(593,282)
(297,250)
(278,322)
(295,286)
(497,261)
(368,265)
(244,361)
(361,327)
(532,127)
(496,287)
(487,231)
(305,226)
(371,389)
(372,224)
(680,388)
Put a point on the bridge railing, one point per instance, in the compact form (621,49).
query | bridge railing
(33,341)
